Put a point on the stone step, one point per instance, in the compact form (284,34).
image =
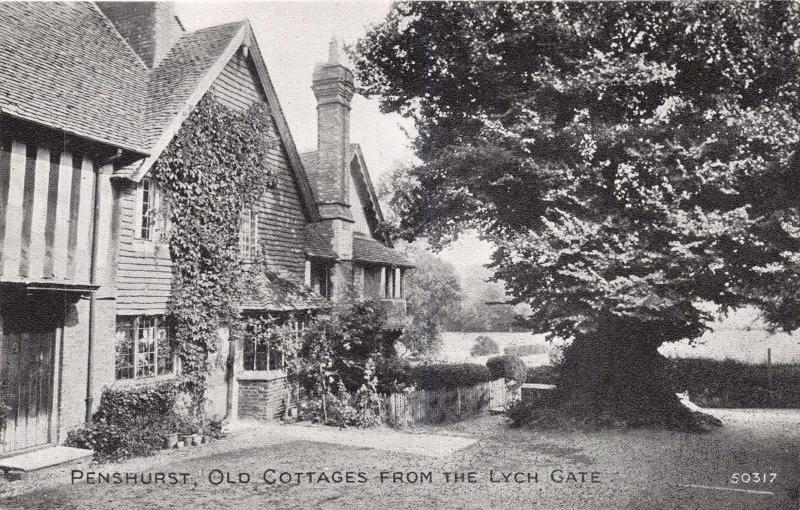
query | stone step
(13,466)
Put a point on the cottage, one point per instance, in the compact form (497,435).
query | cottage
(90,97)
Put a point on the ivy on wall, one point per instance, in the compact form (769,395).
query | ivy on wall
(212,169)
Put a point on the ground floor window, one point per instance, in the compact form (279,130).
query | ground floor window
(260,355)
(143,347)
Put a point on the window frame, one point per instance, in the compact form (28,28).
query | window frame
(144,330)
(299,322)
(154,219)
(248,238)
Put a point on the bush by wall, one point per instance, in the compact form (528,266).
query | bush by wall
(484,346)
(712,383)
(441,375)
(508,367)
(132,422)
(394,375)
(526,350)
(545,374)
(121,406)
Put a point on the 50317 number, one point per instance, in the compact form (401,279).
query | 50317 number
(745,478)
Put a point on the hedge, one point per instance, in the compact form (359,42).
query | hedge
(545,374)
(444,375)
(712,383)
(511,368)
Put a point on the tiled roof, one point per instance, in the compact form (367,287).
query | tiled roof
(317,243)
(178,75)
(310,162)
(280,292)
(367,249)
(65,66)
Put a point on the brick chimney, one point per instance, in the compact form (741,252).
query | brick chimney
(333,87)
(151,28)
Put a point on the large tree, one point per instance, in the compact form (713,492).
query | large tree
(633,162)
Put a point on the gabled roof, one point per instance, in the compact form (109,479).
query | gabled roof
(64,65)
(367,192)
(171,84)
(366,181)
(178,83)
(372,251)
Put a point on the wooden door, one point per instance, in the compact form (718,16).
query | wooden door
(26,378)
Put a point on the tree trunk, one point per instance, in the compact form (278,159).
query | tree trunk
(613,379)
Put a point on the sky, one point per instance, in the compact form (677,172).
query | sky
(293,36)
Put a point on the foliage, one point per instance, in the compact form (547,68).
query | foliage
(545,374)
(731,384)
(441,375)
(394,375)
(272,331)
(484,346)
(341,408)
(336,368)
(133,422)
(629,160)
(511,368)
(526,350)
(123,406)
(433,294)
(214,167)
(337,346)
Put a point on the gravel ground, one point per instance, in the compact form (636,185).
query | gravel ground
(639,469)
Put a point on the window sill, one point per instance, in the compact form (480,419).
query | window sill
(260,375)
(144,381)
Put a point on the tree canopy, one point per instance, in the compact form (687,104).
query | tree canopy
(627,157)
(631,161)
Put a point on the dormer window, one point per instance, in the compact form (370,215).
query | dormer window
(248,234)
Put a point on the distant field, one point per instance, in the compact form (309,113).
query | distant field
(725,343)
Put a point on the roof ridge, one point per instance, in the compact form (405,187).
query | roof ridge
(119,35)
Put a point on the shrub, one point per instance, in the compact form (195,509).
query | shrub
(729,383)
(441,375)
(508,367)
(394,375)
(127,405)
(545,374)
(133,422)
(526,350)
(484,346)
(111,442)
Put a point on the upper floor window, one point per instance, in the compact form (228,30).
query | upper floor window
(248,234)
(150,219)
(143,348)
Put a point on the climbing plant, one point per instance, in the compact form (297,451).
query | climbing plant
(214,168)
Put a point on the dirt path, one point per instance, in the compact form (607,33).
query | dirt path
(635,469)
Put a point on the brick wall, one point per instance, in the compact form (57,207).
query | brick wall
(262,399)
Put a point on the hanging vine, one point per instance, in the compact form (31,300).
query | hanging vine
(214,167)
